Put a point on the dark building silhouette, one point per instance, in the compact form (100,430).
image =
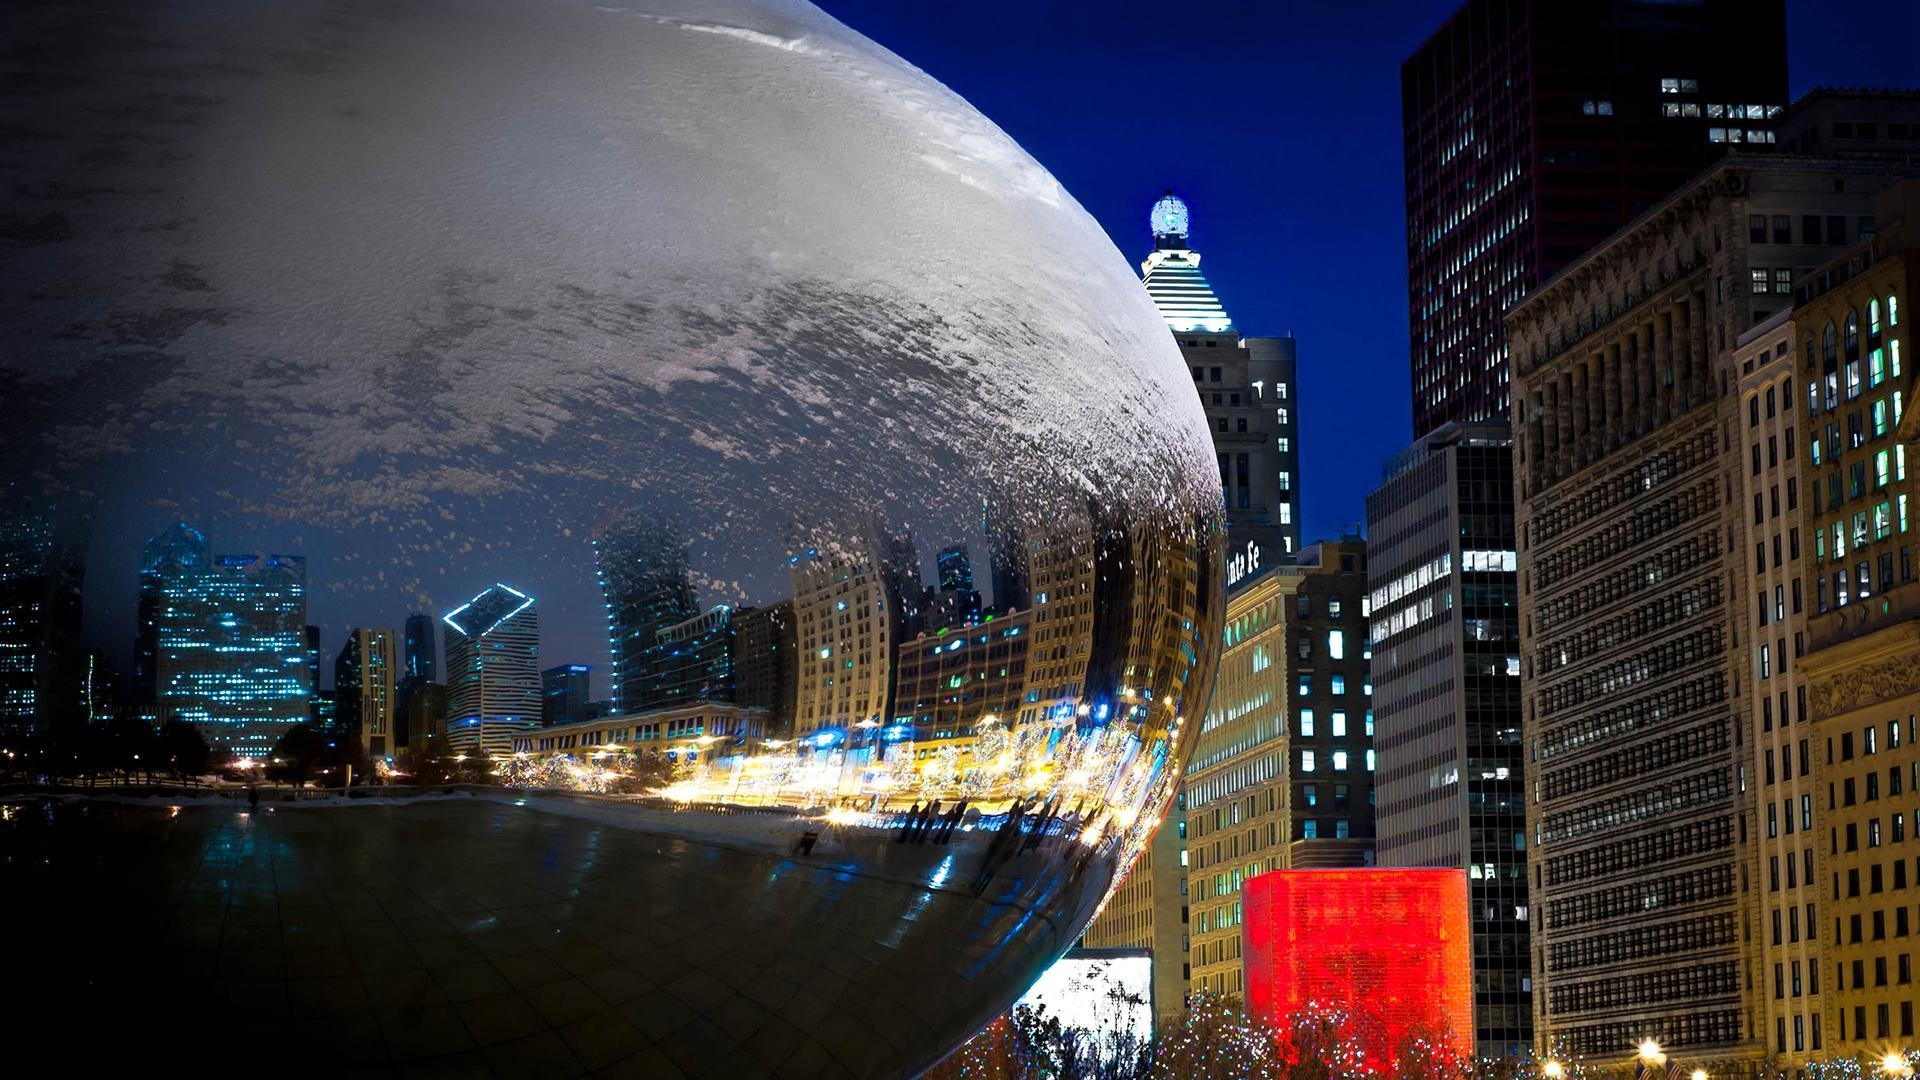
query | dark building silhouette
(421,664)
(1534,130)
(956,603)
(564,694)
(644,578)
(42,663)
(763,665)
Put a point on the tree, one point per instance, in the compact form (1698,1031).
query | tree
(182,750)
(308,753)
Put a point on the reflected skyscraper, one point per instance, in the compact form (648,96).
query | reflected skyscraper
(177,549)
(764,663)
(42,665)
(231,644)
(1247,387)
(364,684)
(643,577)
(845,626)
(493,669)
(422,661)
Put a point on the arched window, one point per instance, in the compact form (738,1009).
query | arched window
(1893,310)
(1853,335)
(1828,339)
(1873,317)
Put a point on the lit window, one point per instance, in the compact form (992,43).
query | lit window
(1339,723)
(1339,761)
(1306,721)
(1306,761)
(1369,759)
(1339,687)
(1337,642)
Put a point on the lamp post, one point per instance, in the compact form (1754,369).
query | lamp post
(1650,1058)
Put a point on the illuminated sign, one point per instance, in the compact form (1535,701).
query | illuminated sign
(1390,948)
(1243,563)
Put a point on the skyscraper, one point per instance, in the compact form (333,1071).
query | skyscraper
(764,663)
(844,624)
(493,669)
(1535,128)
(422,662)
(43,666)
(364,684)
(1446,643)
(1247,387)
(564,694)
(956,603)
(1639,644)
(231,650)
(644,578)
(175,550)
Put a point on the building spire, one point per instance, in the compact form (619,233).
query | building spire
(1172,274)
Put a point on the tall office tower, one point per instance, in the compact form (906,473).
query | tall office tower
(102,694)
(1852,325)
(956,603)
(689,662)
(1535,128)
(1444,621)
(365,683)
(843,620)
(311,635)
(231,650)
(493,669)
(421,663)
(1635,648)
(764,663)
(564,694)
(1330,699)
(1060,574)
(1282,776)
(644,579)
(1246,386)
(175,550)
(1779,759)
(1238,798)
(42,663)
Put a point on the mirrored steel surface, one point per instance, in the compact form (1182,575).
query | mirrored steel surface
(774,378)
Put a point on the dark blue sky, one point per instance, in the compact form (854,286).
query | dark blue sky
(1279,122)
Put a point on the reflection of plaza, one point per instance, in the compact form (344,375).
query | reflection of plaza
(871,691)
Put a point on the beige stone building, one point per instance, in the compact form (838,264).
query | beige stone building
(1853,322)
(1637,598)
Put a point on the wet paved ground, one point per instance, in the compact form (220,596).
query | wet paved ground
(477,938)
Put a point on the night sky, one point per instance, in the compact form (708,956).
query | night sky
(1279,123)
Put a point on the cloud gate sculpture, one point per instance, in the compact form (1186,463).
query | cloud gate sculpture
(797,400)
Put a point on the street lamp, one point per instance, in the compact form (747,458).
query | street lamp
(1699,1074)
(1553,1070)
(1897,1065)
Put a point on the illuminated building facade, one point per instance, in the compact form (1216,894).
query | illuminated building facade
(1247,387)
(1330,700)
(43,667)
(947,682)
(564,694)
(682,733)
(844,625)
(493,669)
(691,660)
(1237,791)
(1635,652)
(1853,326)
(178,549)
(1390,948)
(1060,579)
(1446,640)
(1780,765)
(365,685)
(231,650)
(644,578)
(1535,128)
